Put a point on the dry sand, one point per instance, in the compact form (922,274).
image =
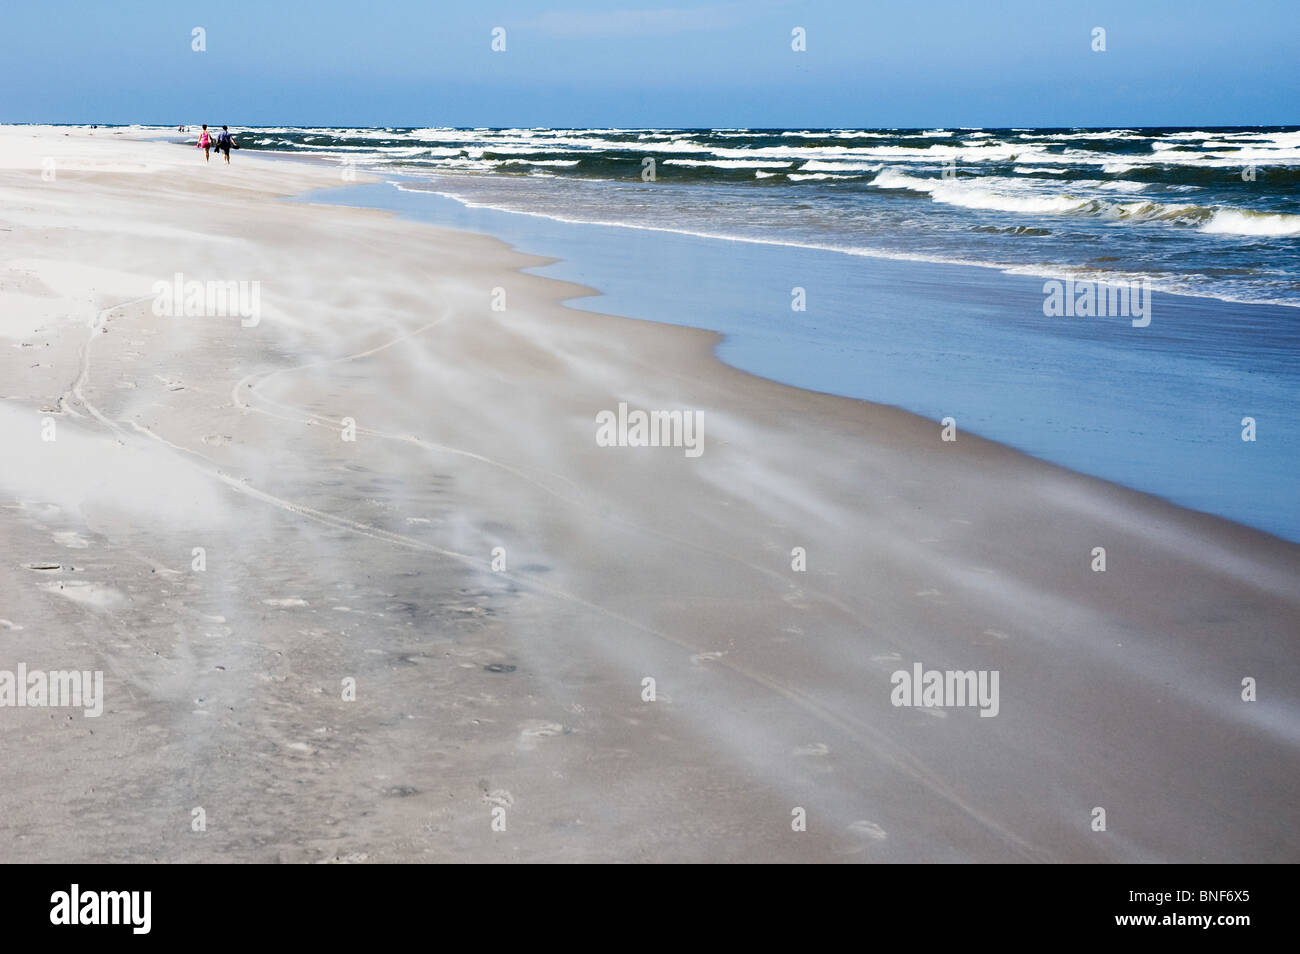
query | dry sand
(371,560)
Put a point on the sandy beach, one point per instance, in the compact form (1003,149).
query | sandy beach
(365,587)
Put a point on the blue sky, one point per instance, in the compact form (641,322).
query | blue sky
(635,63)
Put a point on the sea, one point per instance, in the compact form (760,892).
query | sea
(911,267)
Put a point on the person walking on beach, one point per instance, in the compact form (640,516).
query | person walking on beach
(205,142)
(224,143)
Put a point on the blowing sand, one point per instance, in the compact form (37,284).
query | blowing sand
(201,530)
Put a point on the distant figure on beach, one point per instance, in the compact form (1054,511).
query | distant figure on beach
(205,142)
(225,142)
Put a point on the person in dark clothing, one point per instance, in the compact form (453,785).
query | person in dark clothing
(225,142)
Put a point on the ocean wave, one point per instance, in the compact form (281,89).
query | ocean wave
(1012,230)
(959,196)
(818,176)
(818,165)
(1116,152)
(1099,134)
(1121,185)
(966,195)
(992,194)
(1247,222)
(837,134)
(558,163)
(1148,211)
(1161,282)
(727,163)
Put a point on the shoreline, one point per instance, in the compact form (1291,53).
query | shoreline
(372,559)
(979,315)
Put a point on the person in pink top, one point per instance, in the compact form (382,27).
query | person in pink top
(205,142)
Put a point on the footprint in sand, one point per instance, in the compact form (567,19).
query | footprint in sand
(465,610)
(813,749)
(93,595)
(535,729)
(990,637)
(470,652)
(864,835)
(868,830)
(700,658)
(795,599)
